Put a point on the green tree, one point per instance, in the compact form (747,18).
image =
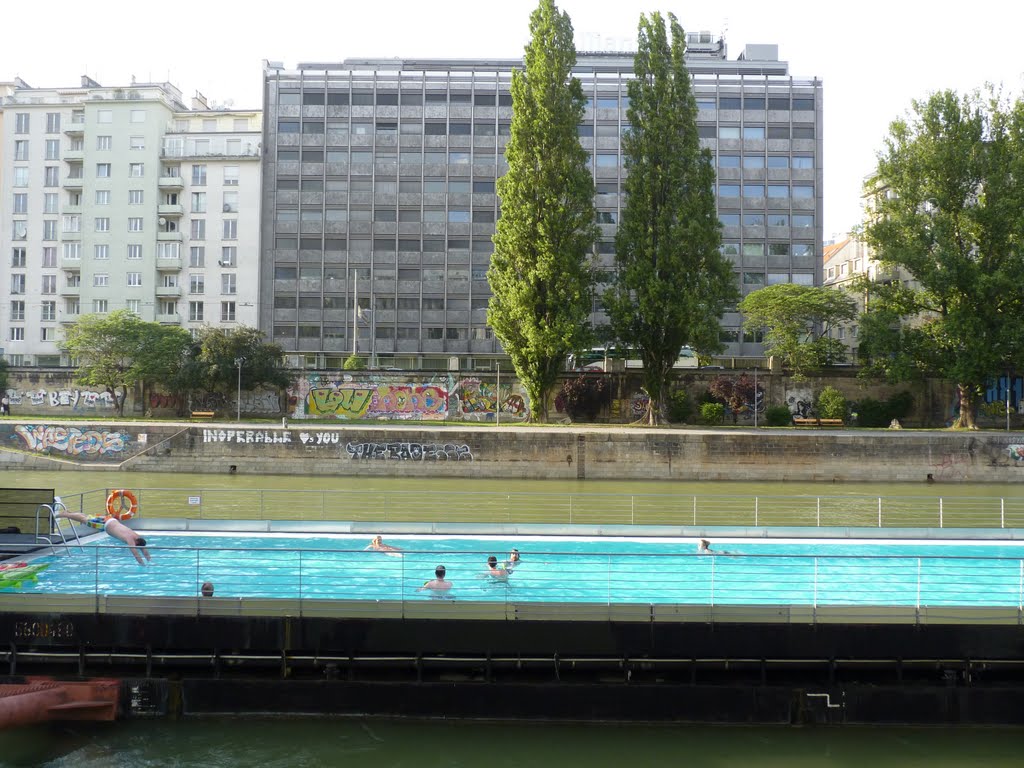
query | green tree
(222,354)
(540,275)
(119,350)
(4,376)
(797,320)
(672,284)
(948,202)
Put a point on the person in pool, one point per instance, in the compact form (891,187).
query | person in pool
(704,548)
(439,585)
(494,571)
(513,560)
(115,528)
(377,544)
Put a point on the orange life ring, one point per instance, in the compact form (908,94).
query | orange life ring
(122,504)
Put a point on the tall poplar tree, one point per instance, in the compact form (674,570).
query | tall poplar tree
(671,283)
(540,273)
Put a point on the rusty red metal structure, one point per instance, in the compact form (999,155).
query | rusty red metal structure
(41,699)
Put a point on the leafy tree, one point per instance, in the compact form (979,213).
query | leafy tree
(949,192)
(539,274)
(262,363)
(672,283)
(797,320)
(831,404)
(584,397)
(119,350)
(4,376)
(735,392)
(355,363)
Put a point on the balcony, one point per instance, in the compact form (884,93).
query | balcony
(72,182)
(192,149)
(72,209)
(171,319)
(74,155)
(72,264)
(168,237)
(168,291)
(69,319)
(74,129)
(168,209)
(71,290)
(170,182)
(168,263)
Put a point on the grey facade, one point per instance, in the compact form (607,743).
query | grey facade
(385,169)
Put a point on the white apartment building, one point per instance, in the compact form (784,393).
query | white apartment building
(124,198)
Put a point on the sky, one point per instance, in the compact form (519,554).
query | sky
(873,57)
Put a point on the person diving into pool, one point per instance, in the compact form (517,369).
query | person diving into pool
(115,528)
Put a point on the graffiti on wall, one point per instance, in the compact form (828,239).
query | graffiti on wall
(1016,452)
(800,402)
(476,400)
(247,436)
(410,451)
(72,441)
(75,399)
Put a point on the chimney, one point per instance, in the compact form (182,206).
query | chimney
(199,102)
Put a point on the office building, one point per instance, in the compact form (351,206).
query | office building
(378,190)
(123,198)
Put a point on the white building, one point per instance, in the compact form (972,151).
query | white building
(123,198)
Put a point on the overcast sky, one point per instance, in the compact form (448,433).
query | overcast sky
(874,57)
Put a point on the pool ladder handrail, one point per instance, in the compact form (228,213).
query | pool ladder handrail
(55,524)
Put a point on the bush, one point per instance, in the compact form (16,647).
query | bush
(880,413)
(712,414)
(680,407)
(583,397)
(778,416)
(831,404)
(354,363)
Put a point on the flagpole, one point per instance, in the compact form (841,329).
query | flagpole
(355,312)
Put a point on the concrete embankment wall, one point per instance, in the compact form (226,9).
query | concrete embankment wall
(519,452)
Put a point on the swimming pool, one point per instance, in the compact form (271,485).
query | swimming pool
(607,570)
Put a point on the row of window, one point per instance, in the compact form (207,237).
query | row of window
(52,146)
(755,132)
(47,311)
(17,333)
(166,250)
(774,249)
(797,162)
(387,215)
(772,219)
(197,283)
(336,332)
(386,303)
(796,191)
(365,244)
(427,186)
(23,120)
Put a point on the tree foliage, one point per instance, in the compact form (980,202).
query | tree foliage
(584,397)
(796,320)
(119,350)
(540,275)
(219,353)
(949,211)
(4,376)
(736,392)
(671,283)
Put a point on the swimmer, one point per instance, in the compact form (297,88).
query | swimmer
(501,574)
(513,560)
(377,544)
(115,528)
(207,589)
(704,547)
(438,585)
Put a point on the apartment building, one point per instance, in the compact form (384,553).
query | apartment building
(123,198)
(378,191)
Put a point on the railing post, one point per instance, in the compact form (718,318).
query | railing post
(632,510)
(198,582)
(1002,513)
(755,511)
(300,582)
(940,511)
(815,606)
(695,509)
(570,509)
(818,499)
(879,511)
(919,583)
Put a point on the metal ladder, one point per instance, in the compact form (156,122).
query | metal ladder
(55,524)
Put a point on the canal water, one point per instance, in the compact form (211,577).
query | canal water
(281,743)
(237,742)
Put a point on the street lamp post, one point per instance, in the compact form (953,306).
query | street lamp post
(238,401)
(755,397)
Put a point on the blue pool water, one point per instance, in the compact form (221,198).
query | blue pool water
(606,570)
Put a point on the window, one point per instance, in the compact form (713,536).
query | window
(753,190)
(21,202)
(803,220)
(778,219)
(228,256)
(53,122)
(134,251)
(169,281)
(729,132)
(753,249)
(19,230)
(17,333)
(18,258)
(729,219)
(100,280)
(753,132)
(71,251)
(99,306)
(230,202)
(21,149)
(50,229)
(458,216)
(102,197)
(230,175)
(729,102)
(168,307)
(197,284)
(753,278)
(101,252)
(803,192)
(137,142)
(198,231)
(50,202)
(197,256)
(104,142)
(51,176)
(21,177)
(198,202)
(17,311)
(103,170)
(195,311)
(21,122)
(803,161)
(168,250)
(230,229)
(803,133)
(48,311)
(49,257)
(753,219)
(73,279)
(728,190)
(101,224)
(135,224)
(778,190)
(199,175)
(17,284)
(778,161)
(606,160)
(138,116)
(136,170)
(72,306)
(227,283)
(134,279)
(753,161)
(227,311)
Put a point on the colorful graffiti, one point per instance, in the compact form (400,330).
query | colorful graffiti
(247,436)
(87,443)
(410,451)
(477,400)
(1016,452)
(395,401)
(75,399)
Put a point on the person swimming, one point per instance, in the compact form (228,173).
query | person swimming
(377,544)
(513,560)
(438,585)
(499,573)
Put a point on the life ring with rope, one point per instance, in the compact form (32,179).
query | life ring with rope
(122,504)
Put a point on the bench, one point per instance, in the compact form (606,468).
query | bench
(202,414)
(799,422)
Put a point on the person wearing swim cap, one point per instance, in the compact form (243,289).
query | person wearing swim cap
(439,585)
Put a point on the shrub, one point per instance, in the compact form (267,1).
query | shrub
(778,416)
(583,397)
(880,413)
(680,407)
(831,404)
(712,414)
(354,363)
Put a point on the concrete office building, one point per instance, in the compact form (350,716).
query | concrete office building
(378,189)
(123,198)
